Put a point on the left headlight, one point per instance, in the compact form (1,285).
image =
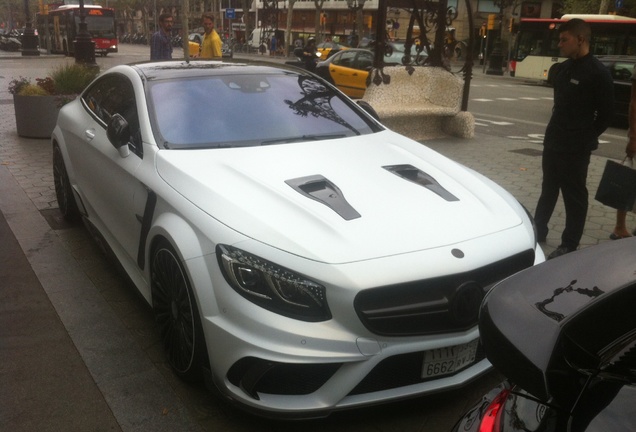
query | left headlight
(273,287)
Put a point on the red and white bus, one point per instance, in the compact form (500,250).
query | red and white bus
(536,49)
(58,28)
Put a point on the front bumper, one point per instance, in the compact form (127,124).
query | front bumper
(281,367)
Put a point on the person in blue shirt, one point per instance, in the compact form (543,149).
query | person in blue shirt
(583,108)
(160,42)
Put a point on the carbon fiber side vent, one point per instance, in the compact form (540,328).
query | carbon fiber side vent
(412,174)
(322,190)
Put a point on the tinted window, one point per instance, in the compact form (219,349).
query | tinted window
(622,71)
(346,59)
(114,94)
(364,60)
(249,110)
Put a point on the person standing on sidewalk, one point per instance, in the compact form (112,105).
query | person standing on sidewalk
(211,44)
(620,230)
(583,108)
(160,43)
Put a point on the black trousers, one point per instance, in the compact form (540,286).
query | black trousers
(567,173)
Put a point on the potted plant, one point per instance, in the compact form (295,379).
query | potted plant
(37,105)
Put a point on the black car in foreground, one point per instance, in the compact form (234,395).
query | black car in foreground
(564,334)
(621,68)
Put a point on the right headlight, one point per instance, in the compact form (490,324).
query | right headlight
(273,287)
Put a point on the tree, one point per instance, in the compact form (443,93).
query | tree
(319,12)
(247,20)
(288,27)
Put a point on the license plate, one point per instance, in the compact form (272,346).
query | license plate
(446,360)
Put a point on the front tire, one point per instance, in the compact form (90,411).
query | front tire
(176,314)
(63,190)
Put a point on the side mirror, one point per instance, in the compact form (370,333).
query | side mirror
(118,133)
(368,108)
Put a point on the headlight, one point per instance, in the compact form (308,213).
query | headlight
(273,287)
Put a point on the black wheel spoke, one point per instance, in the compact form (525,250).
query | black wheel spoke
(172,305)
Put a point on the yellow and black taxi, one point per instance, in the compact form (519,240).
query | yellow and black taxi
(348,70)
(329,48)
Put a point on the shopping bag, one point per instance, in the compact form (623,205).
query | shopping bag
(617,188)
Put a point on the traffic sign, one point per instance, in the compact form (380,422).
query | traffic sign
(230,13)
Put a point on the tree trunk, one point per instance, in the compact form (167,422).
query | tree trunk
(288,29)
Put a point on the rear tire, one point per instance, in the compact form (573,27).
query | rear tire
(63,190)
(176,314)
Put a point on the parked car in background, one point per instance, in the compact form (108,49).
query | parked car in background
(226,50)
(196,39)
(296,253)
(621,68)
(564,332)
(348,70)
(397,55)
(194,44)
(327,49)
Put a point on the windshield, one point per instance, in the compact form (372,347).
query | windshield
(98,26)
(243,110)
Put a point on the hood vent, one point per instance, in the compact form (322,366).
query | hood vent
(322,190)
(412,174)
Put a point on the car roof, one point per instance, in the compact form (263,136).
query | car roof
(197,68)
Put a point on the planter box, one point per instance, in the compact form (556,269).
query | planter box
(35,116)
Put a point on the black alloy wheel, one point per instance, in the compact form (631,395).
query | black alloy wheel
(176,314)
(63,190)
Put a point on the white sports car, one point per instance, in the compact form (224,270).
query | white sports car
(299,254)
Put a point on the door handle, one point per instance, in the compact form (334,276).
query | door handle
(90,133)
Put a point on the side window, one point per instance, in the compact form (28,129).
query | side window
(364,61)
(622,71)
(347,59)
(115,94)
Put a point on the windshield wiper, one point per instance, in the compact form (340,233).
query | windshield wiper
(302,138)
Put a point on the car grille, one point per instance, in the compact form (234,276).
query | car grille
(399,371)
(439,305)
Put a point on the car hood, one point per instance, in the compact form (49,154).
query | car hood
(343,200)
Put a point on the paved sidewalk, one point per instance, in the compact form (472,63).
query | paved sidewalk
(57,368)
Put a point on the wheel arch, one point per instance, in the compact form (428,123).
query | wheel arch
(193,254)
(187,243)
(56,142)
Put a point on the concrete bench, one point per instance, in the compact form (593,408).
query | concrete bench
(422,105)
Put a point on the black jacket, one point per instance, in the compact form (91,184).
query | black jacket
(583,105)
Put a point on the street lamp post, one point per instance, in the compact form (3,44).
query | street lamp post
(29,39)
(495,62)
(84,46)
(355,6)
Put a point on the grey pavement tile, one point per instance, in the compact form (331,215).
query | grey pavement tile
(164,411)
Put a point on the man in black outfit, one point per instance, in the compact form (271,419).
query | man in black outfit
(309,55)
(583,108)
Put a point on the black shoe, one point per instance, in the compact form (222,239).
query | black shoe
(561,250)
